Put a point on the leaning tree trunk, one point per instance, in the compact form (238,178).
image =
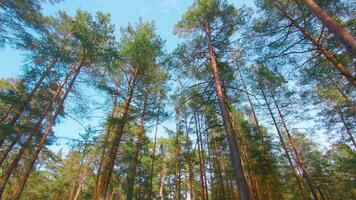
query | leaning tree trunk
(295,173)
(106,137)
(244,192)
(132,176)
(109,159)
(297,155)
(12,166)
(328,55)
(17,138)
(346,38)
(274,188)
(43,141)
(23,105)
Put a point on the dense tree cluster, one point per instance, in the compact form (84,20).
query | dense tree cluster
(249,90)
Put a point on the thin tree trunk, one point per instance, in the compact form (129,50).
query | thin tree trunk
(78,179)
(244,192)
(132,176)
(43,141)
(34,131)
(189,160)
(161,184)
(153,157)
(201,172)
(9,148)
(177,162)
(23,106)
(296,153)
(300,183)
(274,189)
(348,130)
(346,38)
(109,160)
(328,55)
(203,160)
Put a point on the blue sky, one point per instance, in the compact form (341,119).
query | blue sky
(165,13)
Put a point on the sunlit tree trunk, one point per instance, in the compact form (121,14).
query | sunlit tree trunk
(44,137)
(346,38)
(274,189)
(109,159)
(299,181)
(296,153)
(244,192)
(328,55)
(106,138)
(12,166)
(177,162)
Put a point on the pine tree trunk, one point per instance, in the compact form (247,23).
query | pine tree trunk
(244,193)
(189,160)
(328,55)
(153,158)
(296,153)
(109,160)
(346,38)
(300,183)
(23,106)
(12,166)
(9,148)
(133,169)
(43,141)
(274,191)
(201,172)
(106,138)
(177,162)
(161,184)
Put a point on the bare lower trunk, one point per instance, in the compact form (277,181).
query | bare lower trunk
(244,192)
(346,38)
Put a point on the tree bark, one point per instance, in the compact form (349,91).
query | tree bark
(23,106)
(34,131)
(244,193)
(300,183)
(109,160)
(274,189)
(346,38)
(201,172)
(106,138)
(43,141)
(153,157)
(296,153)
(132,174)
(328,55)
